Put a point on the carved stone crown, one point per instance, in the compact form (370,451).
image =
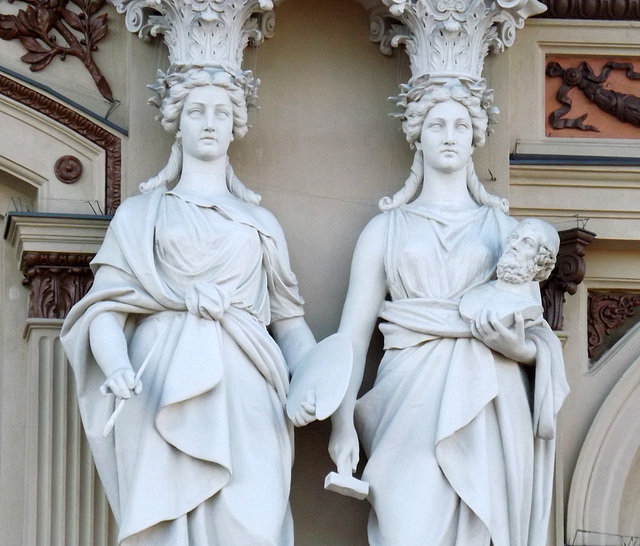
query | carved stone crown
(202,33)
(450,38)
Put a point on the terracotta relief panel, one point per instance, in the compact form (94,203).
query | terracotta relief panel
(595,97)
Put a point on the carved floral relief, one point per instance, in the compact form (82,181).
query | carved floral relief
(611,315)
(596,97)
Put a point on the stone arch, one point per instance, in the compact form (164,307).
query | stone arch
(605,491)
(39,115)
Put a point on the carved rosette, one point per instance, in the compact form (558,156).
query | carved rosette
(567,275)
(57,282)
(68,169)
(607,313)
(450,37)
(201,32)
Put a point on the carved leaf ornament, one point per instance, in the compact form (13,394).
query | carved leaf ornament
(452,36)
(609,312)
(48,29)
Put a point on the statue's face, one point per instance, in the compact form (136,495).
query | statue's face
(523,244)
(446,137)
(206,123)
(518,261)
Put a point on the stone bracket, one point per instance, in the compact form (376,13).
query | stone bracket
(567,275)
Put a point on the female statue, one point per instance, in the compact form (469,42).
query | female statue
(190,276)
(457,453)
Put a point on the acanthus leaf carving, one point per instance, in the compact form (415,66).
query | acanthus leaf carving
(450,36)
(201,32)
(56,281)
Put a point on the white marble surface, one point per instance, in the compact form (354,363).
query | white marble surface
(189,277)
(455,454)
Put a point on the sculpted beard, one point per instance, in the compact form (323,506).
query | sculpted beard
(511,270)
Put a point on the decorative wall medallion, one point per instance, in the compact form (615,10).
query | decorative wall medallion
(567,275)
(594,97)
(611,315)
(57,281)
(109,142)
(611,10)
(51,28)
(68,169)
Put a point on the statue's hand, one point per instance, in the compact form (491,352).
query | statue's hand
(307,411)
(121,383)
(344,447)
(510,342)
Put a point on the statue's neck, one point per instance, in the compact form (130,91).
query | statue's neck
(445,187)
(203,178)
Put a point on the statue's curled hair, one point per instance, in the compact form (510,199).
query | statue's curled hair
(171,110)
(413,120)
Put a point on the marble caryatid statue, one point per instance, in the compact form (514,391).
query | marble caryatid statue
(459,434)
(195,320)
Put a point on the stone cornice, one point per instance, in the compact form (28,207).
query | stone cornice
(54,252)
(57,233)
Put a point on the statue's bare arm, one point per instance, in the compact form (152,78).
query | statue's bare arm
(292,335)
(366,293)
(109,348)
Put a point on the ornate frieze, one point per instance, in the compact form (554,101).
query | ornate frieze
(56,280)
(58,112)
(611,10)
(60,28)
(567,275)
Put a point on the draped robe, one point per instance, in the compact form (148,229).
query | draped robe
(203,455)
(460,442)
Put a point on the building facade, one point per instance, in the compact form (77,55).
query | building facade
(77,137)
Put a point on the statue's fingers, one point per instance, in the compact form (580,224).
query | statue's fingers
(129,379)
(119,387)
(310,409)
